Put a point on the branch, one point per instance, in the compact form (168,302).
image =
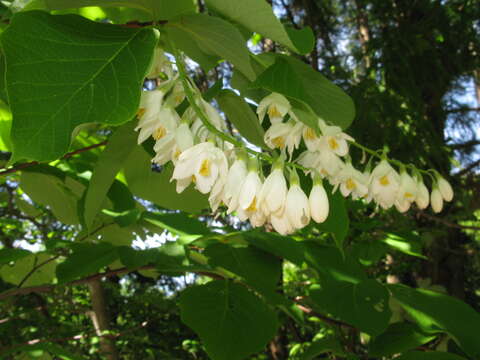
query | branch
(462,110)
(83,281)
(66,156)
(326,319)
(464,145)
(447,223)
(468,168)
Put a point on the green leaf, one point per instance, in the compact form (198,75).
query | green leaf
(183,225)
(363,305)
(406,243)
(185,41)
(318,347)
(259,269)
(337,221)
(86,259)
(88,72)
(16,273)
(51,348)
(48,186)
(304,38)
(156,186)
(436,312)
(242,116)
(398,338)
(217,37)
(5,127)
(230,320)
(8,255)
(158,9)
(257,16)
(109,163)
(429,355)
(296,80)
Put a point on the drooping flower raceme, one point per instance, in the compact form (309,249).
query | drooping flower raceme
(203,158)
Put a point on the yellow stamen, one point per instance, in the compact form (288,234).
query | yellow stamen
(141,112)
(273,112)
(205,168)
(384,180)
(253,205)
(279,142)
(408,195)
(351,184)
(309,134)
(159,133)
(333,143)
(178,99)
(194,179)
(177,154)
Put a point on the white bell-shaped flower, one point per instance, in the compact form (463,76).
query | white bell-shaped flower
(351,181)
(281,223)
(445,188)
(436,200)
(311,139)
(297,205)
(165,122)
(276,136)
(318,201)
(274,192)
(249,207)
(276,105)
(161,65)
(173,144)
(423,195)
(384,184)
(333,139)
(407,192)
(329,164)
(204,164)
(309,159)
(235,179)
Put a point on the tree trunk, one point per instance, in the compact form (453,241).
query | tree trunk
(100,319)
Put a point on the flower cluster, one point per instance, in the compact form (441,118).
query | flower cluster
(233,178)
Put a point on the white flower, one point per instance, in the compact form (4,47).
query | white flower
(160,65)
(293,139)
(173,144)
(407,192)
(297,207)
(281,223)
(276,135)
(235,178)
(351,181)
(437,200)
(384,184)
(176,96)
(157,124)
(202,163)
(312,141)
(329,164)
(249,199)
(276,105)
(445,188)
(333,139)
(274,192)
(309,159)
(318,201)
(423,196)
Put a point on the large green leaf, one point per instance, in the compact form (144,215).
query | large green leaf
(259,269)
(53,349)
(22,267)
(429,355)
(257,16)
(110,162)
(157,9)
(242,116)
(399,337)
(86,259)
(436,312)
(70,71)
(364,305)
(230,320)
(156,186)
(49,186)
(8,255)
(298,81)
(217,37)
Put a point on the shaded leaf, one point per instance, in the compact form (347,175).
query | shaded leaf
(89,72)
(230,320)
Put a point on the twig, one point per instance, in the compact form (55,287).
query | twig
(66,156)
(468,168)
(328,320)
(35,268)
(447,223)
